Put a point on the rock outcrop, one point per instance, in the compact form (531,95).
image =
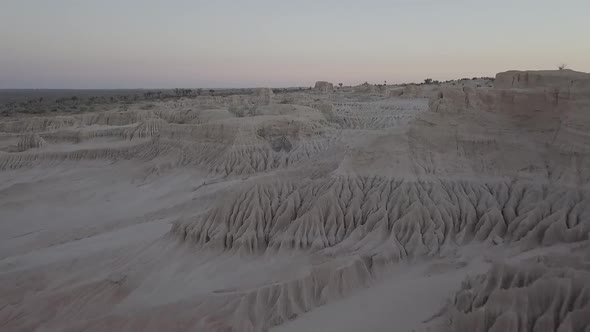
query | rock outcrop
(324,87)
(542,79)
(519,92)
(263,96)
(365,88)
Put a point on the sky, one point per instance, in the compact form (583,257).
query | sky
(93,44)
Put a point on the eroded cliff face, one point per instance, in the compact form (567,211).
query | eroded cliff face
(520,91)
(564,79)
(550,293)
(324,86)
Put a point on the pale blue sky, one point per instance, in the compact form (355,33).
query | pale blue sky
(222,43)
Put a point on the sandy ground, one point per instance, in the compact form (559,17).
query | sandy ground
(424,208)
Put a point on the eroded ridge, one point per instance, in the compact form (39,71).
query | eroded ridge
(228,147)
(389,219)
(535,297)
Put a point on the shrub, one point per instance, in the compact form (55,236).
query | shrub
(244,110)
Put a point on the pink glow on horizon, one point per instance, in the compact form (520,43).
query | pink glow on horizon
(152,43)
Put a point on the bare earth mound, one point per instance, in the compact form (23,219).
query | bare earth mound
(426,208)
